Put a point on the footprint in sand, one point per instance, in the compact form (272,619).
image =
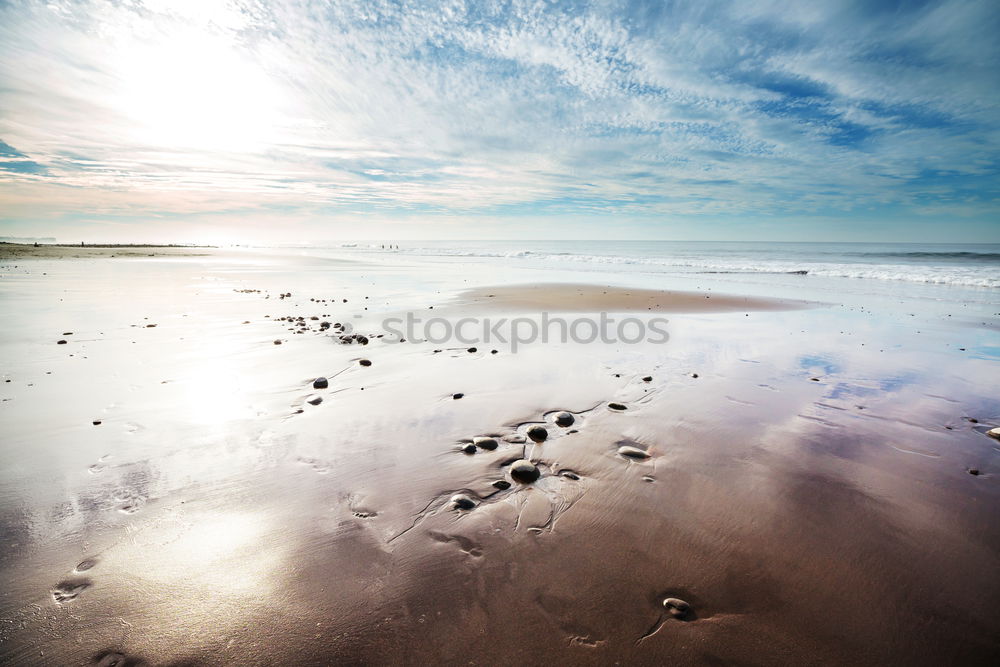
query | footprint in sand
(319,466)
(465,545)
(68,590)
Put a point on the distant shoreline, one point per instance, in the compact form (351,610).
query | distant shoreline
(9,251)
(106,245)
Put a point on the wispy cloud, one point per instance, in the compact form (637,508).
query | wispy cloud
(638,111)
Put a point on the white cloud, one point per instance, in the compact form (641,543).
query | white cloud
(708,107)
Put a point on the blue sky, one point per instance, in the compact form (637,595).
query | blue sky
(281,120)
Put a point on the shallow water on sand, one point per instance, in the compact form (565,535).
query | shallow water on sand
(808,493)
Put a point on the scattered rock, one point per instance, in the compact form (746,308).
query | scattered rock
(617,406)
(694,375)
(974,471)
(321,383)
(462,501)
(60,342)
(85,565)
(538,433)
(633,452)
(469,448)
(485,443)
(515,438)
(365,362)
(994,433)
(501,484)
(277,342)
(524,471)
(472,349)
(678,608)
(564,419)
(569,474)
(648,378)
(457,396)
(97,422)
(314,400)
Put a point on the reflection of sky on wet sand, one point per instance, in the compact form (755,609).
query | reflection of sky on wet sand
(210,504)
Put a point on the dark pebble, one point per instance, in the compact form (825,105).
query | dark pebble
(648,378)
(677,607)
(485,443)
(564,419)
(457,396)
(973,471)
(501,484)
(524,471)
(538,433)
(60,342)
(97,422)
(472,349)
(365,362)
(321,383)
(469,448)
(461,501)
(617,406)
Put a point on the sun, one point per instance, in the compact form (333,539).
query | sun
(195,89)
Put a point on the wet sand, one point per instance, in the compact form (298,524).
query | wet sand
(173,494)
(575,298)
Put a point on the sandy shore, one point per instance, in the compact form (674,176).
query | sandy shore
(562,297)
(176,489)
(12,251)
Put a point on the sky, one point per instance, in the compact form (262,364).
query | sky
(281,120)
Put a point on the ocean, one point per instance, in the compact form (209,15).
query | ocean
(964,265)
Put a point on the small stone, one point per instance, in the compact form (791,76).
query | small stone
(538,433)
(501,484)
(694,375)
(277,342)
(617,406)
(472,349)
(97,422)
(564,419)
(314,400)
(994,433)
(60,342)
(469,448)
(633,452)
(493,351)
(973,471)
(524,471)
(321,383)
(515,438)
(461,501)
(677,607)
(648,378)
(365,362)
(569,474)
(485,443)
(457,396)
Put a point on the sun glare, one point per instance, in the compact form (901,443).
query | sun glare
(196,90)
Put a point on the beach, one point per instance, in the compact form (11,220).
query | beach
(801,456)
